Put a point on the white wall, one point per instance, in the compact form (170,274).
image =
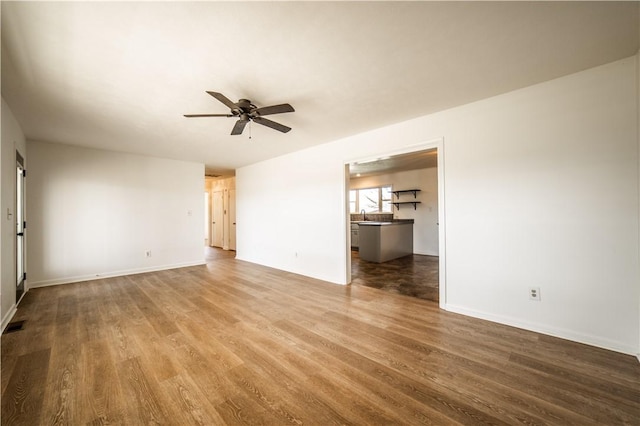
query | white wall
(541,189)
(95,213)
(12,140)
(291,214)
(425,215)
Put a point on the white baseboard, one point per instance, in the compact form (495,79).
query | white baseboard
(566,334)
(9,316)
(90,277)
(425,253)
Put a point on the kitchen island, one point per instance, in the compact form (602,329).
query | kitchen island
(383,241)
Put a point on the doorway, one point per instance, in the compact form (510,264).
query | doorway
(418,168)
(207,219)
(232,219)
(217,219)
(21,225)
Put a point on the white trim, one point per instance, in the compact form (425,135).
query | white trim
(69,280)
(638,176)
(7,318)
(429,144)
(561,333)
(347,223)
(24,293)
(442,217)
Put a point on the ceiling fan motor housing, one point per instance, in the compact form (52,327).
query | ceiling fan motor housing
(245,105)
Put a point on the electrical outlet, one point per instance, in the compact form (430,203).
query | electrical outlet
(534,293)
(147,253)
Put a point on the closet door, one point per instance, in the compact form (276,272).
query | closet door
(232,219)
(217,219)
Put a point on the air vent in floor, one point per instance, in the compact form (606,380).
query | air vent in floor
(14,326)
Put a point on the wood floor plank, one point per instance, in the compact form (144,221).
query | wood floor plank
(100,398)
(417,363)
(210,377)
(447,402)
(23,398)
(139,387)
(122,340)
(606,364)
(276,378)
(60,406)
(605,395)
(255,386)
(192,404)
(157,353)
(9,358)
(377,402)
(209,345)
(302,365)
(240,409)
(153,314)
(131,314)
(237,343)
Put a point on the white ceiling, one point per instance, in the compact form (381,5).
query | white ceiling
(119,75)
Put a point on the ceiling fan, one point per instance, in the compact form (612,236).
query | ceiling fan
(246,111)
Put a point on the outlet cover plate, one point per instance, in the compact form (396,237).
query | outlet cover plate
(534,293)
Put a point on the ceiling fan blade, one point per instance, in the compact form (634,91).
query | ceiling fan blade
(207,115)
(222,98)
(239,127)
(277,126)
(274,109)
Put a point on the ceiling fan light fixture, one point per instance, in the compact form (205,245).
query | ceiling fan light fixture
(247,112)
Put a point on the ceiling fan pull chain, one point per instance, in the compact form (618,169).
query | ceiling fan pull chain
(249,129)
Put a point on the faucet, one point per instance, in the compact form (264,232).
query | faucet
(364,214)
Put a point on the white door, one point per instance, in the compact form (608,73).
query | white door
(217,219)
(21,274)
(207,219)
(232,219)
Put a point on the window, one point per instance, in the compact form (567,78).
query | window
(371,200)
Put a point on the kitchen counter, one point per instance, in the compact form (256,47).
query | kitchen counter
(385,223)
(383,241)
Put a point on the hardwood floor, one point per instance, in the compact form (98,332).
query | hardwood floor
(414,275)
(237,343)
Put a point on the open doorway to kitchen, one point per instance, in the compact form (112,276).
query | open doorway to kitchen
(392,190)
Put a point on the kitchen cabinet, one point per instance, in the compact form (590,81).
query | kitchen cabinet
(355,235)
(383,241)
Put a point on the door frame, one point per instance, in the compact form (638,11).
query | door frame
(438,144)
(20,228)
(207,217)
(231,210)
